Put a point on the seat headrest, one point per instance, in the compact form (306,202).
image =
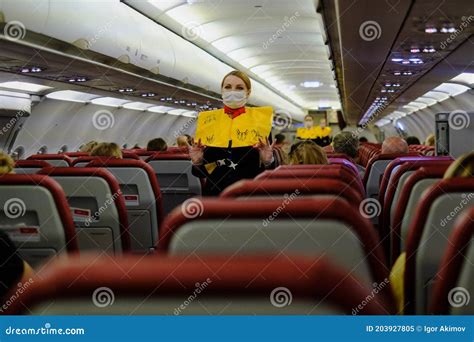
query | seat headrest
(31,164)
(168,156)
(50,157)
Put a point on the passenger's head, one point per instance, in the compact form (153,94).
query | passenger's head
(461,167)
(189,139)
(394,145)
(363,140)
(107,150)
(430,140)
(308,121)
(182,141)
(89,146)
(157,144)
(412,141)
(346,142)
(280,139)
(7,164)
(236,88)
(307,152)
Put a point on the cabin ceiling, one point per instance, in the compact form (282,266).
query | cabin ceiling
(374,44)
(280,43)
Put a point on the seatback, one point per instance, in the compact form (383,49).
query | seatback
(427,237)
(29,166)
(257,285)
(407,204)
(177,183)
(74,155)
(306,226)
(143,199)
(455,278)
(375,170)
(323,171)
(292,188)
(35,214)
(61,160)
(344,161)
(97,207)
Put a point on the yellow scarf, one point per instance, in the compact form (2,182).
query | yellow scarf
(216,129)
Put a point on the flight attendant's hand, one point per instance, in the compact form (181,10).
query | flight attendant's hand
(196,152)
(266,151)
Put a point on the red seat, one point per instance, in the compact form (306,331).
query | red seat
(115,191)
(156,285)
(416,232)
(401,206)
(75,155)
(344,161)
(227,210)
(278,187)
(338,155)
(325,171)
(29,166)
(130,155)
(53,159)
(83,161)
(454,259)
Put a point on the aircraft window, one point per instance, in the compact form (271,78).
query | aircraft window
(43,150)
(124,145)
(18,153)
(63,149)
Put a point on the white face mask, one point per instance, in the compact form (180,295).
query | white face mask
(234,98)
(308,123)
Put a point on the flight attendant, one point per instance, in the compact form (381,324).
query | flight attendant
(233,143)
(323,133)
(319,134)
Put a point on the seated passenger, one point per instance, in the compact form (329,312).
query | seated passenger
(461,167)
(430,140)
(182,141)
(307,152)
(89,146)
(280,148)
(13,269)
(346,142)
(412,141)
(363,140)
(107,150)
(394,145)
(189,139)
(7,164)
(157,144)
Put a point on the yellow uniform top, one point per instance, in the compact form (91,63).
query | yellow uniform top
(216,129)
(313,132)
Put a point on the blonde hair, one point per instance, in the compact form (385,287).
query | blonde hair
(240,74)
(430,140)
(461,167)
(308,152)
(107,150)
(7,164)
(89,146)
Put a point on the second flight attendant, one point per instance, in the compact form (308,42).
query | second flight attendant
(232,142)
